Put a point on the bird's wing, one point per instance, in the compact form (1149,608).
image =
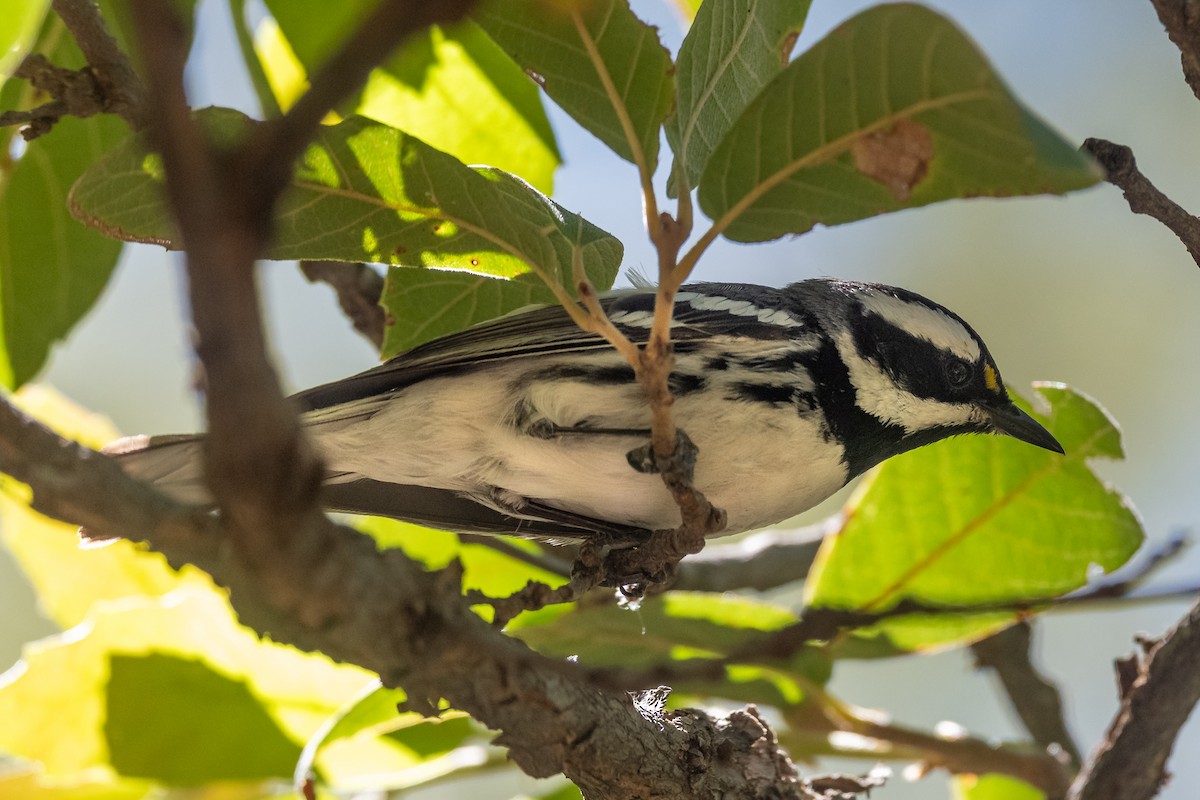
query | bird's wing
(447,510)
(701,312)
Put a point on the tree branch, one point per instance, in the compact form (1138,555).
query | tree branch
(73,92)
(122,90)
(1144,197)
(108,84)
(359,289)
(380,610)
(763,561)
(1181,18)
(1035,699)
(1164,688)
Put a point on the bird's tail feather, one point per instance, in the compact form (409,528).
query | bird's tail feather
(172,463)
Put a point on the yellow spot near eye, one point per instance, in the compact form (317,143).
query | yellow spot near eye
(990,378)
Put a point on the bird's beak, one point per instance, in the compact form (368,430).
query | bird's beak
(1012,421)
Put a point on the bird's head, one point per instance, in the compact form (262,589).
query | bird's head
(918,368)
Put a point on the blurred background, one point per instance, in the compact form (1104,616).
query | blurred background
(1072,289)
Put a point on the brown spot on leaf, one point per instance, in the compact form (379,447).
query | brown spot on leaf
(897,157)
(536,77)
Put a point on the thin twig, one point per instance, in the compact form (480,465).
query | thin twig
(822,714)
(819,625)
(121,89)
(762,561)
(1144,197)
(1035,699)
(73,92)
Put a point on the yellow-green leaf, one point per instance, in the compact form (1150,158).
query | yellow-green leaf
(57,702)
(451,87)
(67,578)
(977,520)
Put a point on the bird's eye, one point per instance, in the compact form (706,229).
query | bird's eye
(958,373)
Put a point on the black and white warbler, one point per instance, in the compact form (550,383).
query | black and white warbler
(522,424)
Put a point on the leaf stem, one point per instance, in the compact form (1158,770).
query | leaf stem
(645,173)
(254,66)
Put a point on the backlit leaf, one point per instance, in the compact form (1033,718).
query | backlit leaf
(52,269)
(18,27)
(678,626)
(733,50)
(69,580)
(451,87)
(368,192)
(599,62)
(57,703)
(894,109)
(977,520)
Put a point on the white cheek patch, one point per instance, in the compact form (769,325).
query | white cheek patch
(920,320)
(879,396)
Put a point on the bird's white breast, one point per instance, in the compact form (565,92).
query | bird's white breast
(470,433)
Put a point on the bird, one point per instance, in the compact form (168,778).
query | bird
(525,424)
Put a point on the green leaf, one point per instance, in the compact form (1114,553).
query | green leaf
(52,269)
(688,8)
(314,29)
(18,28)
(415,739)
(977,520)
(733,50)
(894,109)
(69,579)
(368,192)
(425,303)
(23,782)
(458,91)
(451,87)
(216,720)
(55,703)
(484,568)
(597,60)
(678,626)
(567,792)
(992,786)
